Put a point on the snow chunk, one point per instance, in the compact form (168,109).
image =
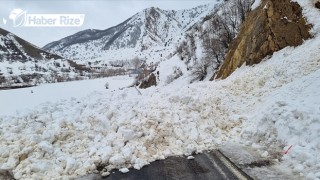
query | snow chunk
(190,157)
(117,159)
(45,146)
(124,170)
(105,174)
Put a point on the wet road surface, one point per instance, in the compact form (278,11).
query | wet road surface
(208,165)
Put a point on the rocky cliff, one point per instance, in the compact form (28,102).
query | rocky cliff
(273,25)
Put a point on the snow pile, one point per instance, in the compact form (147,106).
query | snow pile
(291,118)
(167,70)
(269,107)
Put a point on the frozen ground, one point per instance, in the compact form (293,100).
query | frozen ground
(267,107)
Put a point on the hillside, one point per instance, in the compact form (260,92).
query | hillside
(199,37)
(14,48)
(151,34)
(22,64)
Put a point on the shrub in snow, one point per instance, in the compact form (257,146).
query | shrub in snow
(200,70)
(136,62)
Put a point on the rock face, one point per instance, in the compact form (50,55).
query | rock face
(151,81)
(272,26)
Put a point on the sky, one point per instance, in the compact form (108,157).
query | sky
(99,14)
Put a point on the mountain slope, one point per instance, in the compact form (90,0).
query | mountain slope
(23,64)
(151,28)
(14,48)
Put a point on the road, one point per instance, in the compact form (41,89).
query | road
(208,165)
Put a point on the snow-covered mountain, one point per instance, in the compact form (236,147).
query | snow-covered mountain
(16,49)
(23,64)
(148,31)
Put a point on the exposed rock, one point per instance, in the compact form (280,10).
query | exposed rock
(317,4)
(151,81)
(272,26)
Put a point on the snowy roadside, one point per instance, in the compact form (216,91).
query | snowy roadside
(269,107)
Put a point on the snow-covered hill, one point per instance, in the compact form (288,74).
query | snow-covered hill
(13,48)
(152,33)
(22,64)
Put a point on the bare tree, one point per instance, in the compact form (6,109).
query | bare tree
(136,63)
(243,7)
(216,33)
(200,70)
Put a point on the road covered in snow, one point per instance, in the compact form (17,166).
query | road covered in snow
(268,107)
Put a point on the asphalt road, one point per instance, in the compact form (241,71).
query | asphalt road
(208,165)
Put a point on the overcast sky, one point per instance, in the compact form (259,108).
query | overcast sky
(98,14)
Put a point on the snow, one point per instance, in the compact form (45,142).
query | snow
(104,174)
(158,42)
(20,69)
(295,120)
(124,170)
(190,157)
(267,107)
(166,69)
(255,4)
(28,98)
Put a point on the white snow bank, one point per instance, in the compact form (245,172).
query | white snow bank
(291,117)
